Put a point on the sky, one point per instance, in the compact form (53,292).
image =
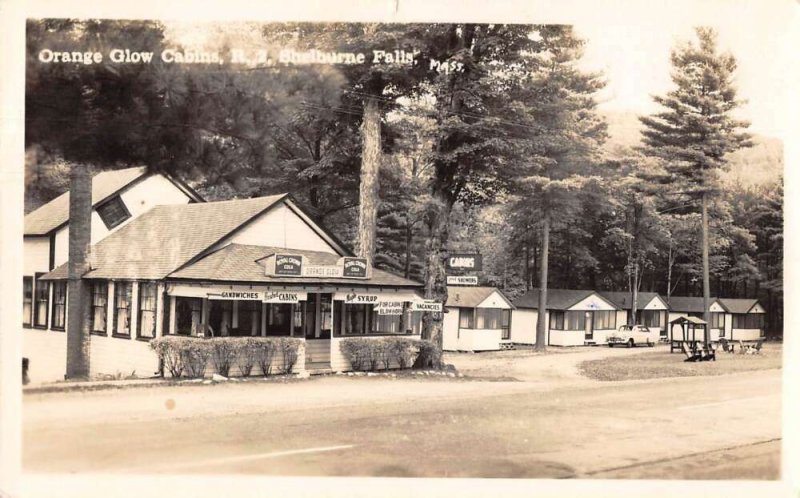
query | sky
(633,53)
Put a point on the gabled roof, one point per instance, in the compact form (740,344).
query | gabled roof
(167,237)
(689,319)
(557,299)
(244,263)
(623,299)
(56,212)
(737,305)
(105,185)
(688,304)
(471,297)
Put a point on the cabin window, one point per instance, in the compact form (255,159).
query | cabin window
(122,308)
(59,305)
(250,318)
(113,212)
(653,318)
(506,325)
(386,324)
(147,310)
(748,321)
(27,300)
(557,320)
(279,316)
(355,318)
(99,306)
(42,294)
(466,318)
(605,320)
(189,316)
(717,320)
(415,322)
(488,318)
(574,320)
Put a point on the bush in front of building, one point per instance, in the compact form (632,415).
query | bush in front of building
(290,350)
(171,353)
(195,353)
(367,354)
(263,349)
(224,351)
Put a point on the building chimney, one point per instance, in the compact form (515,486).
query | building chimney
(78,293)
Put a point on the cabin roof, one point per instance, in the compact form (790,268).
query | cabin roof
(622,299)
(471,297)
(557,299)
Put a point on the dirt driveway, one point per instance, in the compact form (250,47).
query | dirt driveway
(556,365)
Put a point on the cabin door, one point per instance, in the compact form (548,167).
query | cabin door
(588,321)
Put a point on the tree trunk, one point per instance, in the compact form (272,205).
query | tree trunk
(78,302)
(407,272)
(368,190)
(436,276)
(541,320)
(706,282)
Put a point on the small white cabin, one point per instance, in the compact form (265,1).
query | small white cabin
(476,319)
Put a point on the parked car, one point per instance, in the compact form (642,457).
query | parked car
(630,336)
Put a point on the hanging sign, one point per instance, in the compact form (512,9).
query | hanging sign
(389,310)
(361,298)
(354,267)
(237,295)
(288,265)
(462,280)
(427,305)
(464,262)
(283,296)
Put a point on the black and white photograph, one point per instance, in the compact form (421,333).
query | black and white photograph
(507,250)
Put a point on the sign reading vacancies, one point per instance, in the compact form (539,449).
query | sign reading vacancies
(354,267)
(462,280)
(426,305)
(288,265)
(465,262)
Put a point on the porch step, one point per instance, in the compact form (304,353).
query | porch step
(318,367)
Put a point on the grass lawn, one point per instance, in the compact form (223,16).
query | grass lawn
(665,364)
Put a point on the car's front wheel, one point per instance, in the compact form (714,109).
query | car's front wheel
(631,343)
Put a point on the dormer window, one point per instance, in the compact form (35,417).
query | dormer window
(113,212)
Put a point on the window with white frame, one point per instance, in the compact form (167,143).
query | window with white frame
(466,318)
(147,310)
(99,306)
(123,292)
(27,301)
(605,320)
(42,294)
(59,305)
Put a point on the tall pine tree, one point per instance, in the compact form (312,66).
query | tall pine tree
(697,129)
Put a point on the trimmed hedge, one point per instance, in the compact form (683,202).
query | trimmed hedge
(190,356)
(370,354)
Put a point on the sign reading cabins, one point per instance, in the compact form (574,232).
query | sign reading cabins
(278,296)
(291,265)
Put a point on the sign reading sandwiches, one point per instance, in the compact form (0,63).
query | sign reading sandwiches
(288,265)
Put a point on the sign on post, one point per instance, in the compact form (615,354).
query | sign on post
(283,297)
(236,295)
(427,305)
(462,280)
(465,262)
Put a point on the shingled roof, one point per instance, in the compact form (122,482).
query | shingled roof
(163,239)
(623,299)
(737,305)
(56,212)
(557,299)
(688,304)
(245,263)
(470,297)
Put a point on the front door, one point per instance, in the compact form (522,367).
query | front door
(589,326)
(317,326)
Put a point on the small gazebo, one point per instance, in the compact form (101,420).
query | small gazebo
(689,326)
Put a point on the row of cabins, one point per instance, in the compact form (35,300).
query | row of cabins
(584,317)
(165,262)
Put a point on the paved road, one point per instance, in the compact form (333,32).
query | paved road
(721,427)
